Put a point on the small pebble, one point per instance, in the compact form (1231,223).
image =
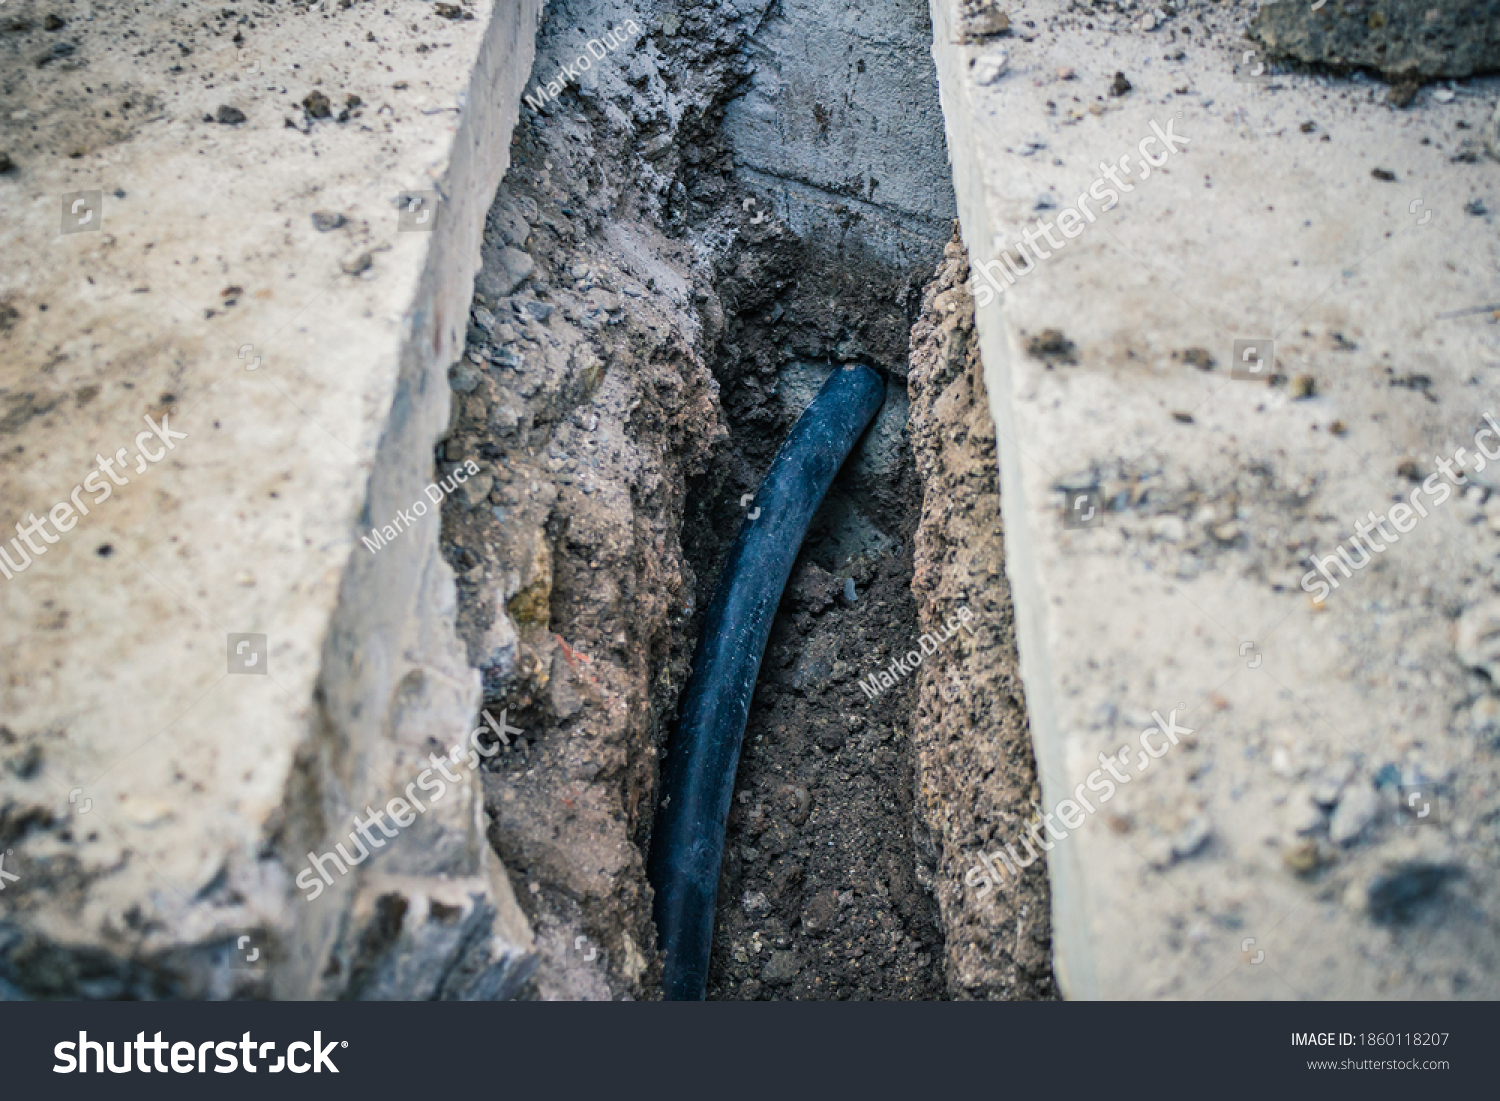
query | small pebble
(1306,816)
(1479,639)
(989,68)
(849,593)
(988,23)
(801,802)
(317,105)
(1356,810)
(782,968)
(1192,837)
(1329,784)
(464,378)
(1170,528)
(1302,858)
(1402,94)
(476,491)
(1484,716)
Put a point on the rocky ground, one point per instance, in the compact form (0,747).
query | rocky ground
(977,777)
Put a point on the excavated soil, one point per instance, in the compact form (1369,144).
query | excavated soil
(976,773)
(819,895)
(641,341)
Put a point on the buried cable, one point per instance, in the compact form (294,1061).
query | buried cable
(698,777)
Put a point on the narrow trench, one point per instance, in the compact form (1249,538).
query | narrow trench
(818,895)
(670,270)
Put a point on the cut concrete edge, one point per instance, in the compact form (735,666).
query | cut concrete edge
(1361,698)
(370,674)
(368,662)
(1073,947)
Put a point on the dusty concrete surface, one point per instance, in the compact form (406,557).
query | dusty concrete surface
(1279,850)
(202,225)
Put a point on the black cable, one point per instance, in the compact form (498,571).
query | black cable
(698,776)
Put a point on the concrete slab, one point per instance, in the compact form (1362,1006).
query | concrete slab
(257,228)
(1279,849)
